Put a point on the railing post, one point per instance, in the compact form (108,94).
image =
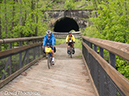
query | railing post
(95,48)
(112,59)
(38,49)
(27,53)
(42,53)
(5,69)
(33,51)
(101,51)
(10,63)
(20,57)
(90,45)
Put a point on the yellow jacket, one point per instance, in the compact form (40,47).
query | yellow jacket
(70,38)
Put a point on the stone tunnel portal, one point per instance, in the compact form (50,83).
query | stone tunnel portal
(65,24)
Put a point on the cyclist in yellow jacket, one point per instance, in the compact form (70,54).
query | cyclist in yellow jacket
(70,38)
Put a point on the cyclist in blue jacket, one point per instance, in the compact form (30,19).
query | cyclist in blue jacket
(49,38)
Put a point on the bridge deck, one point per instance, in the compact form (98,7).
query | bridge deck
(68,77)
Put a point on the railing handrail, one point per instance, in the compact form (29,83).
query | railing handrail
(10,40)
(119,79)
(120,49)
(66,33)
(117,48)
(18,49)
(32,48)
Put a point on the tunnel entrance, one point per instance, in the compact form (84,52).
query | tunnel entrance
(65,25)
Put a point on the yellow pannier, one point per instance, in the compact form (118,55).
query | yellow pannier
(48,49)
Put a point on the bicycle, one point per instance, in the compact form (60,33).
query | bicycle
(71,48)
(70,51)
(48,51)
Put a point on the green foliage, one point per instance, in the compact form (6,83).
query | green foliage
(122,66)
(1,1)
(29,17)
(79,55)
(112,23)
(4,47)
(83,4)
(59,41)
(78,43)
(3,71)
(72,31)
(69,5)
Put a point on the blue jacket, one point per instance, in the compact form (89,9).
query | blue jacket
(51,41)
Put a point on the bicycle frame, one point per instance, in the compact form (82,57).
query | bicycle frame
(71,51)
(48,51)
(71,48)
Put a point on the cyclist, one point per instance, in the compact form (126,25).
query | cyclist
(70,37)
(49,38)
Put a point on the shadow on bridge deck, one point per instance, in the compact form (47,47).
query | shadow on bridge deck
(68,77)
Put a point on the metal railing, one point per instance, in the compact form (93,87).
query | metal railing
(107,81)
(20,55)
(62,35)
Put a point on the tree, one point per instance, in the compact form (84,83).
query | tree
(6,22)
(32,14)
(13,14)
(36,29)
(20,17)
(0,24)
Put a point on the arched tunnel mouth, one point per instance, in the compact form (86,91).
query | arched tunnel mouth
(65,24)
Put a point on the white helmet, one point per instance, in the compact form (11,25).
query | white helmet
(48,32)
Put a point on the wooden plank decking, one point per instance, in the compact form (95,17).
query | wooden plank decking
(68,77)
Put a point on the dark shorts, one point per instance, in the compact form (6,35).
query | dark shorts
(70,44)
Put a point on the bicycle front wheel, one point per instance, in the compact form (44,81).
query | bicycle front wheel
(48,61)
(71,55)
(71,52)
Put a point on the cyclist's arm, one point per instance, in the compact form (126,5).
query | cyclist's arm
(53,41)
(66,39)
(73,38)
(44,40)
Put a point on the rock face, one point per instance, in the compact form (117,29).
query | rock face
(80,16)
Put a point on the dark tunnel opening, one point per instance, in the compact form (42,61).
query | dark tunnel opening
(65,25)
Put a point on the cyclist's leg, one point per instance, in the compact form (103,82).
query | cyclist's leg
(72,45)
(68,49)
(53,55)
(73,51)
(69,44)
